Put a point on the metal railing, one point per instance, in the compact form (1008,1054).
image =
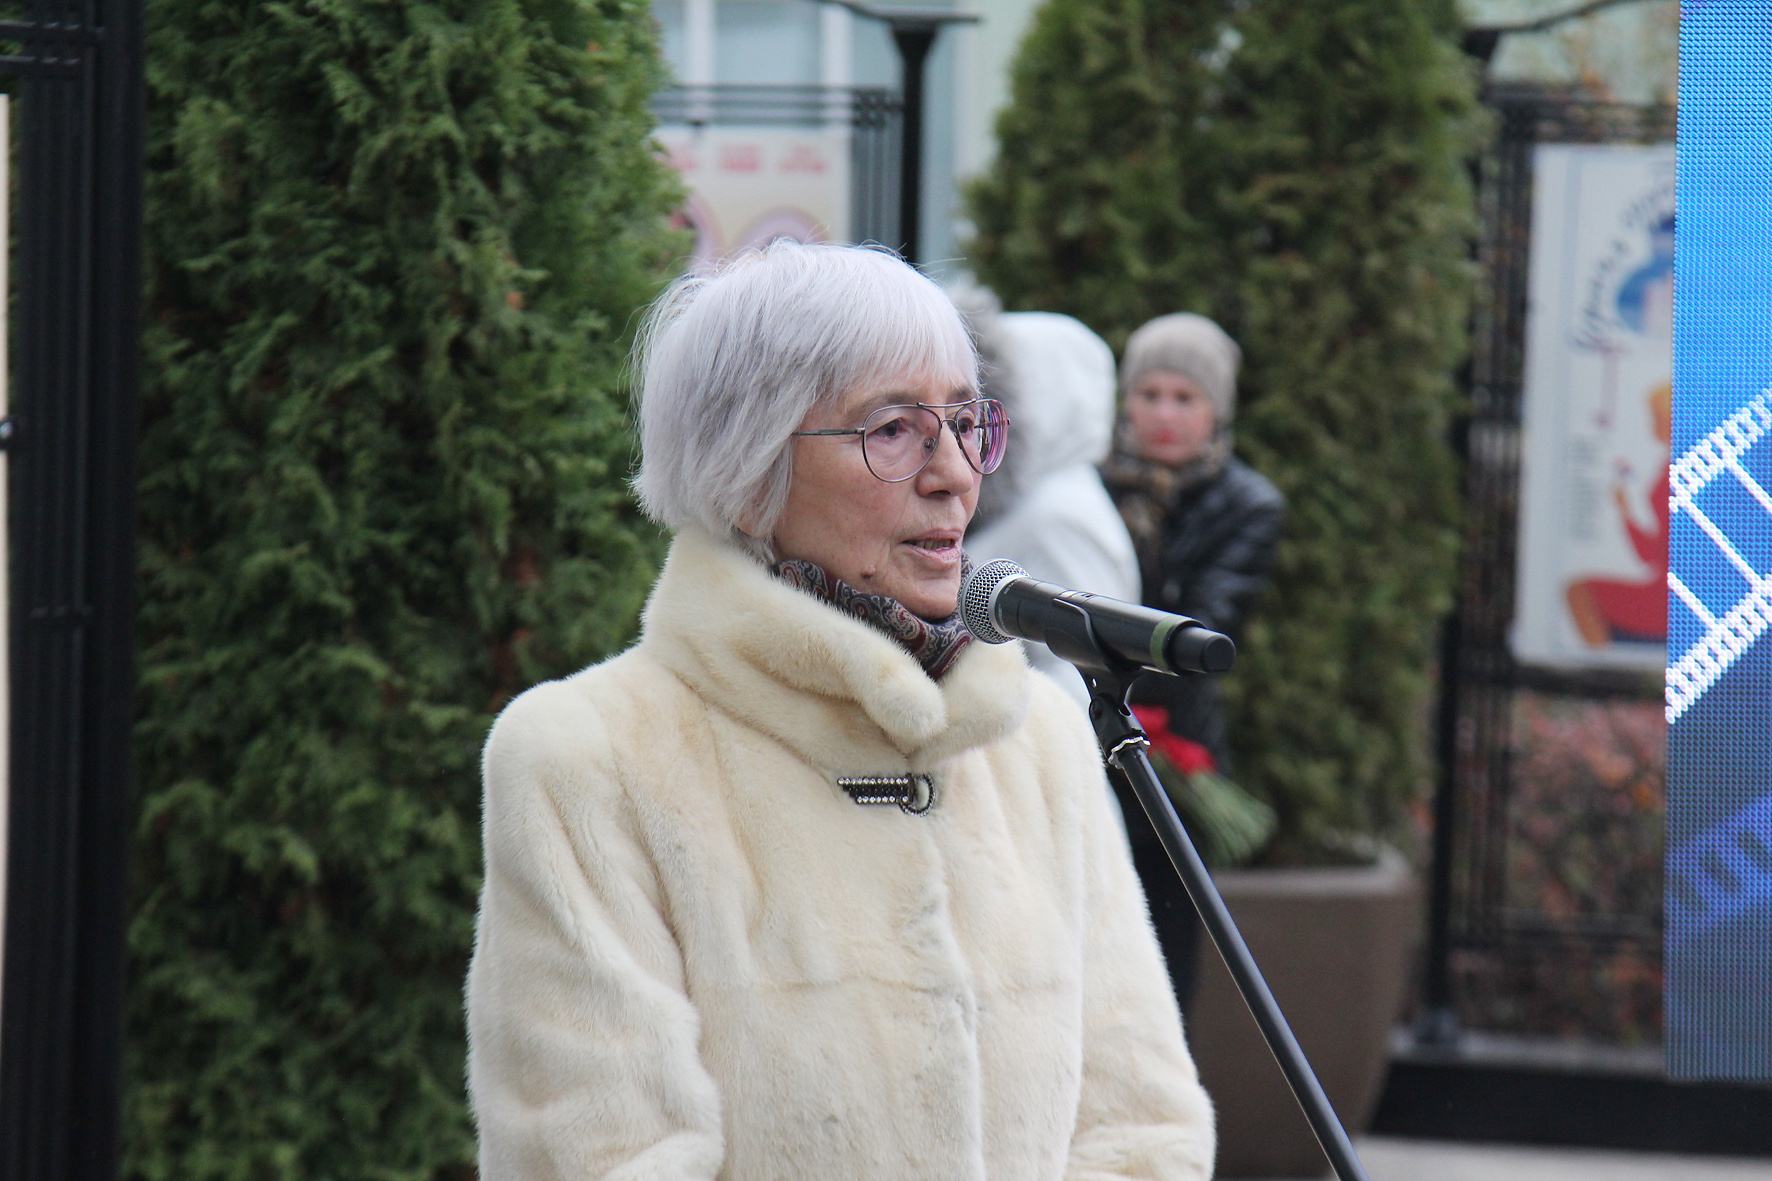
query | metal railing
(1477,811)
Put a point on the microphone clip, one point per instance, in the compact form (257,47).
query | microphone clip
(1110,681)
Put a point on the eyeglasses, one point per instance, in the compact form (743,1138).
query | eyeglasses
(897,442)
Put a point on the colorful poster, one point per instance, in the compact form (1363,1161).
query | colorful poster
(1592,582)
(749,186)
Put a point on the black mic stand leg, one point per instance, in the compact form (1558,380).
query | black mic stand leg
(1123,743)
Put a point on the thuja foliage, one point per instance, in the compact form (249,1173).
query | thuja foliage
(394,249)
(1298,172)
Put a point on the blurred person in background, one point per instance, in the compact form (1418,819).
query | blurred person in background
(806,885)
(1046,509)
(1205,526)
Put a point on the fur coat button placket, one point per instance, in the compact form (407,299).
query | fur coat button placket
(914,794)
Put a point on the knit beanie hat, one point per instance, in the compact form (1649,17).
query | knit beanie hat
(1193,347)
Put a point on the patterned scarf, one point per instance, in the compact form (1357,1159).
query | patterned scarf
(935,646)
(1146,493)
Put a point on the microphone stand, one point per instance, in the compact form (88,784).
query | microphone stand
(1123,743)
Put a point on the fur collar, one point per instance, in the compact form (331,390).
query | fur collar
(844,696)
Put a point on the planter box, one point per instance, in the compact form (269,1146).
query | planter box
(1335,947)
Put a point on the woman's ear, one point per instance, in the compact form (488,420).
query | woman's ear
(762,548)
(750,523)
(750,520)
(771,493)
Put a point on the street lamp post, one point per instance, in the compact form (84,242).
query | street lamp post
(913,32)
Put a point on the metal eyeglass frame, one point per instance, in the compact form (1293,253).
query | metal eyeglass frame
(946,420)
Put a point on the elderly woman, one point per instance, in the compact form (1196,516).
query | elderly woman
(1206,526)
(805,884)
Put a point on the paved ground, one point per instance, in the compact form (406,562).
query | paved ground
(1387,1159)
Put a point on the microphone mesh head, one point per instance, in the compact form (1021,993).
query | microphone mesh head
(979,593)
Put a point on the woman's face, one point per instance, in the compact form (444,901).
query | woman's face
(1172,419)
(900,540)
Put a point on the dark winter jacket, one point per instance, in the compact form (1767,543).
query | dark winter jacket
(1214,558)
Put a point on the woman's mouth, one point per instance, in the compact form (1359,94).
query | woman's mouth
(942,549)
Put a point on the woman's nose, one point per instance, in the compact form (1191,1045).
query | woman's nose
(948,470)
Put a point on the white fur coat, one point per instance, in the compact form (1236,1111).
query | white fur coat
(697,957)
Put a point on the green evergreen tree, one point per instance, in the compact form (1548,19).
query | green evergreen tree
(1298,172)
(394,251)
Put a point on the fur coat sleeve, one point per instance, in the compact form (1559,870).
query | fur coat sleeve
(586,1061)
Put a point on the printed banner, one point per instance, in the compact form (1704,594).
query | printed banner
(749,186)
(1592,582)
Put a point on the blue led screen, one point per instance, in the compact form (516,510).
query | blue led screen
(1719,678)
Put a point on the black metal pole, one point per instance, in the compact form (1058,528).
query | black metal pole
(914,39)
(1438,1022)
(107,807)
(72,506)
(1123,743)
(1438,1025)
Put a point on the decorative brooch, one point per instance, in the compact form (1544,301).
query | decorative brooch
(912,793)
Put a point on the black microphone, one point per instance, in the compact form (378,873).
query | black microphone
(999,602)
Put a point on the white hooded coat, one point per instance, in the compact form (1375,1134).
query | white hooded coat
(698,958)
(1061,526)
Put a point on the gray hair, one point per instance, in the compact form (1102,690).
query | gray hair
(1193,347)
(731,361)
(980,309)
